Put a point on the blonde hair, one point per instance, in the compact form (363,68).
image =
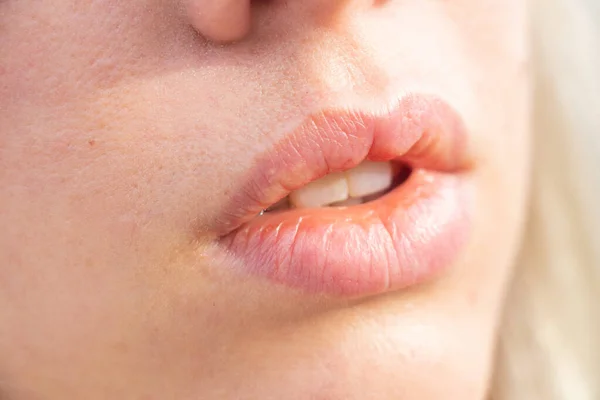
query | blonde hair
(549,343)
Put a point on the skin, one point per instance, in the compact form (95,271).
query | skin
(126,125)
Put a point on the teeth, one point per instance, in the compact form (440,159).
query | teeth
(369,178)
(343,189)
(329,189)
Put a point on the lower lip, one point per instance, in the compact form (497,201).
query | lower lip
(402,239)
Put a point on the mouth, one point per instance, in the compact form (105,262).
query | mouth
(354,203)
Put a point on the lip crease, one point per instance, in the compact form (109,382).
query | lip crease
(401,239)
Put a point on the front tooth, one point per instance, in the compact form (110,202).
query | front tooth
(329,189)
(369,177)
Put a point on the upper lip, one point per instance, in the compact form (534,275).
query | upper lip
(420,131)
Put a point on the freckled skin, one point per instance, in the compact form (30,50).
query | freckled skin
(125,131)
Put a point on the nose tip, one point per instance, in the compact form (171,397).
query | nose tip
(230,20)
(220,20)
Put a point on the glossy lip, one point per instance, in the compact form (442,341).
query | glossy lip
(398,240)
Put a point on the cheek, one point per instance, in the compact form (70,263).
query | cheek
(497,47)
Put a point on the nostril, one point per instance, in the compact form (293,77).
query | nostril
(220,21)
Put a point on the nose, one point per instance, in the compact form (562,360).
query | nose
(220,20)
(230,20)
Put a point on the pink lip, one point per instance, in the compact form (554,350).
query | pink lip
(398,240)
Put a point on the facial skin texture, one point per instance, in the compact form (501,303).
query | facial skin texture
(123,131)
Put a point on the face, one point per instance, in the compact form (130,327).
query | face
(141,140)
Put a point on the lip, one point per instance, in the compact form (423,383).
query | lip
(401,239)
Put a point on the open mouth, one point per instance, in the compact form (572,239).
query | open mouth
(355,204)
(366,182)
